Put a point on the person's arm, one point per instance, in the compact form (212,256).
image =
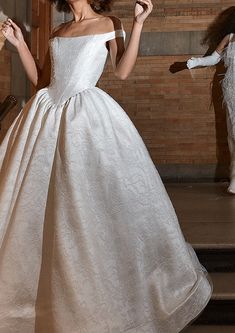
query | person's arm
(44,76)
(212,59)
(124,60)
(13,34)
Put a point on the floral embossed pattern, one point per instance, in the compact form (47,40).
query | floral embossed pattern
(90,242)
(228,84)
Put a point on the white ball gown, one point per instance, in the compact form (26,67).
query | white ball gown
(90,242)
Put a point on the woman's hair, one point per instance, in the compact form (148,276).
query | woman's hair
(223,25)
(99,6)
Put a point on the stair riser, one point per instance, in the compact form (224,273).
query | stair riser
(218,313)
(217,260)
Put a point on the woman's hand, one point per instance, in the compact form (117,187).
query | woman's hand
(142,10)
(12,32)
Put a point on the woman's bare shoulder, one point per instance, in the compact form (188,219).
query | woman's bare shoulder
(56,29)
(114,23)
(106,24)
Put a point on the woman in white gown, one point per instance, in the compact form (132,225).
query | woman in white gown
(90,242)
(222,31)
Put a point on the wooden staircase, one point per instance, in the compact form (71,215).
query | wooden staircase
(210,329)
(207,217)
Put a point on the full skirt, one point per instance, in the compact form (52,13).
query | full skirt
(89,240)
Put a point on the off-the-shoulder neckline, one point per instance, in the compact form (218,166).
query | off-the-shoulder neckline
(90,35)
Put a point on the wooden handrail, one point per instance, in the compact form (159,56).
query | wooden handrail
(9,102)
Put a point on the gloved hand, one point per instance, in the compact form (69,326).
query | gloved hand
(211,60)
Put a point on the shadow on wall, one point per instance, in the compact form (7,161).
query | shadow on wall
(223,25)
(220,27)
(222,152)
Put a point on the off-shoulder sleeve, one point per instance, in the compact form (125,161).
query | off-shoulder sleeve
(115,34)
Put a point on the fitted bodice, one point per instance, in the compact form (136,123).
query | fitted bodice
(229,54)
(77,63)
(229,61)
(228,85)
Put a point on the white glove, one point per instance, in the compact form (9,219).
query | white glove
(211,60)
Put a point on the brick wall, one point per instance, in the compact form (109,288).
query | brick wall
(180,116)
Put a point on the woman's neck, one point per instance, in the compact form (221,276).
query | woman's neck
(81,10)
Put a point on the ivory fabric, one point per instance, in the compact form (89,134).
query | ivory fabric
(228,85)
(89,240)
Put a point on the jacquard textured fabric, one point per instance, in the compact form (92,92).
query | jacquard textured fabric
(89,240)
(228,85)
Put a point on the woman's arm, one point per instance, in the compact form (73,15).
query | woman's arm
(13,34)
(44,76)
(212,59)
(124,60)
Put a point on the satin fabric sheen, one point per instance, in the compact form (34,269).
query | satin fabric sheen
(89,239)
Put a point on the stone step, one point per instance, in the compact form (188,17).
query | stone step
(209,329)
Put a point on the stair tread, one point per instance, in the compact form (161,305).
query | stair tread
(205,235)
(206,214)
(224,286)
(209,329)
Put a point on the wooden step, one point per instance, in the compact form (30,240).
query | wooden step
(221,308)
(217,260)
(224,286)
(206,214)
(209,329)
(218,312)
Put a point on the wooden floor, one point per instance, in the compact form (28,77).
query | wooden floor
(206,213)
